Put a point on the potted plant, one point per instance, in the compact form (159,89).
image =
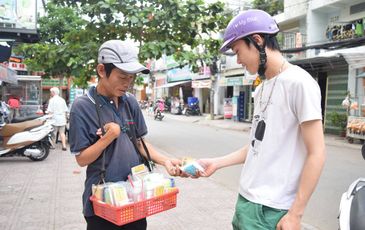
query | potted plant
(338,120)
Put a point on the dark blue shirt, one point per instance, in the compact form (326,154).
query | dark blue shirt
(121,155)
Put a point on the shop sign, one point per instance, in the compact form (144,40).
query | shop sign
(179,74)
(234,81)
(53,82)
(201,84)
(17,66)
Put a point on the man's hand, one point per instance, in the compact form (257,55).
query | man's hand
(112,131)
(290,221)
(172,167)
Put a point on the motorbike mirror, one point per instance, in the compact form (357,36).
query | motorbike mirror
(363,151)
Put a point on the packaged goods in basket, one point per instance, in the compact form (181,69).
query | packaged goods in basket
(141,196)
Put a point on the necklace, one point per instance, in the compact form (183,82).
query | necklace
(272,89)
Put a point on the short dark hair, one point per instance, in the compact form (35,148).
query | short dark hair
(109,68)
(271,41)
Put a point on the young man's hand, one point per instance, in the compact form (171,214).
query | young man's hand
(209,166)
(290,221)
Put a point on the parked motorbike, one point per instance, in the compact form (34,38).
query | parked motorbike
(176,108)
(158,111)
(193,109)
(29,138)
(352,206)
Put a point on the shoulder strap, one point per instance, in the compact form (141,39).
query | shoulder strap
(133,137)
(97,105)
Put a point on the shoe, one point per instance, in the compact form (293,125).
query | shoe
(64,149)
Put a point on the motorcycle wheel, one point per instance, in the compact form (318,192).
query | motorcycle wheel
(44,148)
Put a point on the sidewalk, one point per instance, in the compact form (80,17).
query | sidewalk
(46,195)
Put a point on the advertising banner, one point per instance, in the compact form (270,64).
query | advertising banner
(18,16)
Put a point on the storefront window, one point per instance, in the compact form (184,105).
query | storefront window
(29,94)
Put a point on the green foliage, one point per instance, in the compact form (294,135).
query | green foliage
(65,49)
(338,120)
(72,31)
(271,7)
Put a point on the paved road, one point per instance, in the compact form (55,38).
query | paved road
(47,195)
(196,137)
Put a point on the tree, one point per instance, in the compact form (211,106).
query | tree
(271,7)
(171,27)
(65,47)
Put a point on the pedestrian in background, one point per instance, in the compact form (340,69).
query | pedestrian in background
(14,105)
(58,109)
(286,153)
(122,120)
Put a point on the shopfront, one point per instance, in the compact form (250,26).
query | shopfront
(29,92)
(201,89)
(237,99)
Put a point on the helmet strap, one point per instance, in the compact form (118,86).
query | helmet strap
(262,56)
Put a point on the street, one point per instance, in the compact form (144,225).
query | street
(47,195)
(344,163)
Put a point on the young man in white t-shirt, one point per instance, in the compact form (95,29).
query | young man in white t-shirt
(286,153)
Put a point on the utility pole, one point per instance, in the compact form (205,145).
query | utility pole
(212,99)
(213,71)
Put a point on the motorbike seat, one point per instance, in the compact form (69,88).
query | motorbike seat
(27,118)
(357,212)
(10,129)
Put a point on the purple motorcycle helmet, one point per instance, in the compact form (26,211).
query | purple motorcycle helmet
(247,23)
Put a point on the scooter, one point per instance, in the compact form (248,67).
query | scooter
(30,138)
(193,109)
(352,206)
(176,108)
(159,108)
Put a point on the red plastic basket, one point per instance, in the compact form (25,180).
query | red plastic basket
(131,212)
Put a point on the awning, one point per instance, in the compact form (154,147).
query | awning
(353,56)
(8,75)
(171,84)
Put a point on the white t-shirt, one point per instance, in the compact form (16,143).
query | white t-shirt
(271,173)
(57,106)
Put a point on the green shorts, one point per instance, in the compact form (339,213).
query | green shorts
(252,216)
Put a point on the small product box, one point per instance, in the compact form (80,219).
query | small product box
(191,166)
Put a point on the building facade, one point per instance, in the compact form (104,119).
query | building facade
(326,38)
